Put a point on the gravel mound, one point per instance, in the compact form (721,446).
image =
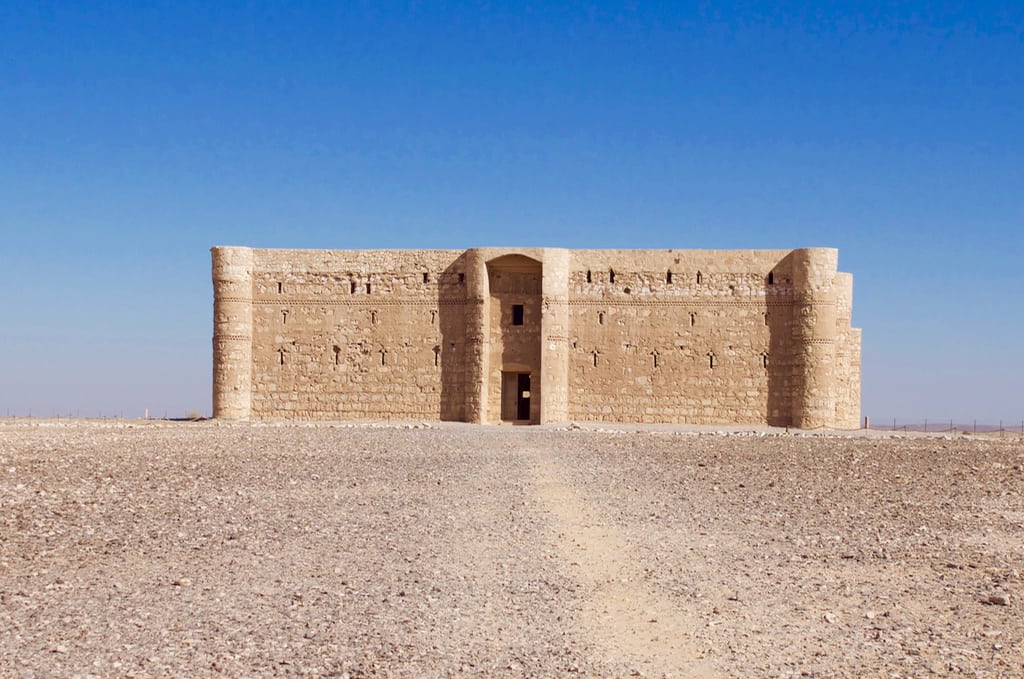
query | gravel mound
(432,550)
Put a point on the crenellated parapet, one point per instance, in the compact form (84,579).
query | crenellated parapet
(232,332)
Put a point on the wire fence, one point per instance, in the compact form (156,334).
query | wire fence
(54,415)
(951,426)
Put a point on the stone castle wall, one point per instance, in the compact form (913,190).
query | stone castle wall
(617,335)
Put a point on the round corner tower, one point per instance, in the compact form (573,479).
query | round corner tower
(814,336)
(232,332)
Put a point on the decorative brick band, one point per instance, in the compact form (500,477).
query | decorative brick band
(612,303)
(361,301)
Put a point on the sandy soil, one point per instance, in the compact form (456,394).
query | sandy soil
(155,549)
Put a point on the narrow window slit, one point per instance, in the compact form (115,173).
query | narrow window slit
(699,278)
(437,356)
(693,318)
(611,275)
(600,318)
(280,288)
(352,287)
(589,277)
(426,277)
(668,276)
(771,278)
(367,287)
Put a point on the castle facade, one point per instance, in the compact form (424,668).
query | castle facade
(536,335)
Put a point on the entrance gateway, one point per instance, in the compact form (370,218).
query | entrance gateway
(514,319)
(515,397)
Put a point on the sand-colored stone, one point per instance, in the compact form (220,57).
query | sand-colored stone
(676,336)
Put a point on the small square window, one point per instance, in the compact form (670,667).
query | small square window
(517,314)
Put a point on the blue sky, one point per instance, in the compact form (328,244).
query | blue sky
(136,136)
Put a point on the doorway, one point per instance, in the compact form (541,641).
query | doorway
(515,397)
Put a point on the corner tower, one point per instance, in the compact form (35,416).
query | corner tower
(232,332)
(815,333)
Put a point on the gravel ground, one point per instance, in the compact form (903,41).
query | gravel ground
(202,549)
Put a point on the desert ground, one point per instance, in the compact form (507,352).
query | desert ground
(153,549)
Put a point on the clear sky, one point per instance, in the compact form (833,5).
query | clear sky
(135,136)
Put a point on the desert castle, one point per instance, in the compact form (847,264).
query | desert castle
(535,335)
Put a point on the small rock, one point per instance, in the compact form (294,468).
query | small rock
(829,618)
(998,599)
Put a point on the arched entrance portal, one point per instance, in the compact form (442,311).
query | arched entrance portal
(515,284)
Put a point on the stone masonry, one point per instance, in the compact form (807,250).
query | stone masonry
(536,335)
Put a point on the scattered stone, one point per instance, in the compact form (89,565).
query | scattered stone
(376,550)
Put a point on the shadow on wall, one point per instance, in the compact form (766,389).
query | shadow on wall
(781,356)
(518,280)
(452,351)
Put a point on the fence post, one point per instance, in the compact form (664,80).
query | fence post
(926,425)
(867,425)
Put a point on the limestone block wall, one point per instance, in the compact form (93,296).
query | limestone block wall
(681,336)
(748,336)
(357,334)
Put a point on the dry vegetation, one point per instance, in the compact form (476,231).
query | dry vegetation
(196,549)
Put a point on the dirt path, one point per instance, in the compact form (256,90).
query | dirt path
(627,618)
